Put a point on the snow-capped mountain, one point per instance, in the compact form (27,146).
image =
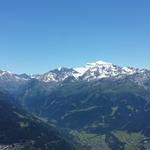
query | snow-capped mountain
(8,76)
(90,71)
(56,75)
(11,82)
(101,69)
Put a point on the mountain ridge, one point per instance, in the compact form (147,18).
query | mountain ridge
(91,71)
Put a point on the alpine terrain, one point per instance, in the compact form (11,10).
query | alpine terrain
(100,106)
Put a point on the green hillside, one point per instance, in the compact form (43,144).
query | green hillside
(20,130)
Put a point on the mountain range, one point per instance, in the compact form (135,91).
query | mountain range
(90,71)
(100,106)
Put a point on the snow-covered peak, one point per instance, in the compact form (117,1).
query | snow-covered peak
(80,71)
(98,63)
(57,75)
(101,69)
(8,76)
(103,63)
(129,70)
(60,68)
(92,66)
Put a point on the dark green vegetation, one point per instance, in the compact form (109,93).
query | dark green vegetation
(94,106)
(106,114)
(20,130)
(117,140)
(98,107)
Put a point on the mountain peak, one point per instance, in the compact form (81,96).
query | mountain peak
(60,68)
(100,62)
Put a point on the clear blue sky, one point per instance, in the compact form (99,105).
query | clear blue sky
(39,35)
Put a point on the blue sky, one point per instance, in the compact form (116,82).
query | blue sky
(39,35)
